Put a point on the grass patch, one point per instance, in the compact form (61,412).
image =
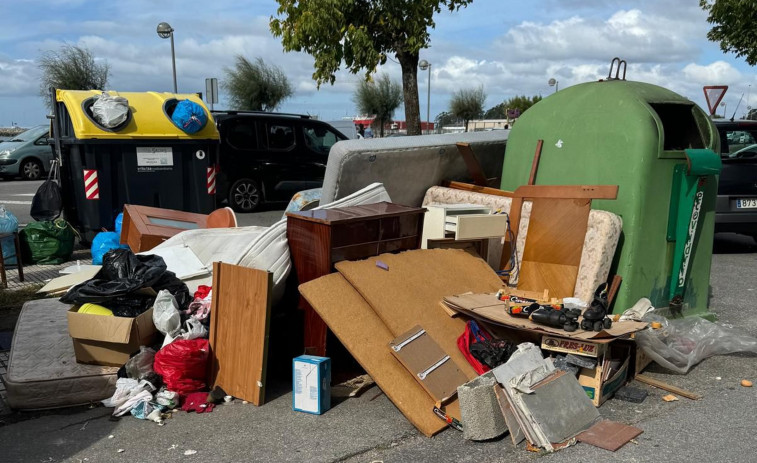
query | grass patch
(11,303)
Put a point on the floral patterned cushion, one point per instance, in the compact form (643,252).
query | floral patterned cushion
(602,236)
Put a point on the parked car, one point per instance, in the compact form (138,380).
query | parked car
(27,154)
(736,206)
(268,157)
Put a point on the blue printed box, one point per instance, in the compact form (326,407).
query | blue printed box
(311,377)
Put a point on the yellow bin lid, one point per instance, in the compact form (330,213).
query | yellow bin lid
(148,118)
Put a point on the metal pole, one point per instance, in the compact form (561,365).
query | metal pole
(173,61)
(428,101)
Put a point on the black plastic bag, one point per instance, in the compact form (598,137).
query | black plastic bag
(47,202)
(493,352)
(122,273)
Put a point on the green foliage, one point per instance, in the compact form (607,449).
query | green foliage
(256,86)
(468,104)
(361,34)
(445,119)
(734,26)
(380,98)
(71,68)
(521,103)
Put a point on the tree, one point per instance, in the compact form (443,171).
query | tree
(445,119)
(71,68)
(361,34)
(380,98)
(521,103)
(468,104)
(733,26)
(255,85)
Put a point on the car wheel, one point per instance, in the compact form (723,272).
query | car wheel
(31,169)
(245,195)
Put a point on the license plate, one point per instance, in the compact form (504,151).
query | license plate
(746,203)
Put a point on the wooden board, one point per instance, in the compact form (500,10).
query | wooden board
(552,254)
(667,387)
(366,337)
(239,326)
(428,363)
(409,292)
(62,283)
(609,435)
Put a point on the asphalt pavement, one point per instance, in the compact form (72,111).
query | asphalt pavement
(719,427)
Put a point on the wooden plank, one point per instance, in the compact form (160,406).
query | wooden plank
(476,189)
(614,286)
(239,329)
(474,167)
(667,387)
(366,336)
(535,163)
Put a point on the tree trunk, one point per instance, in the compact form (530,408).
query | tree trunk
(409,64)
(381,128)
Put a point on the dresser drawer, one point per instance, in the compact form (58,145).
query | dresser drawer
(347,234)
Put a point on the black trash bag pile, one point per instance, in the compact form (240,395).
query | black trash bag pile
(493,352)
(122,274)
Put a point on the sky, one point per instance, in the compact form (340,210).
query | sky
(510,47)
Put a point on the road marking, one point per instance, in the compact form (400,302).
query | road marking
(25,194)
(15,202)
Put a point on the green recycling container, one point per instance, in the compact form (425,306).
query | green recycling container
(659,148)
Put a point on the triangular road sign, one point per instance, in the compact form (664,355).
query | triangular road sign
(713,94)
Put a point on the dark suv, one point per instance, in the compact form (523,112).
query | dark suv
(736,207)
(268,157)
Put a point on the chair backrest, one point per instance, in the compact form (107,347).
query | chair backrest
(222,218)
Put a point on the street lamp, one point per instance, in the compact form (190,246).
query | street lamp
(165,31)
(554,83)
(426,65)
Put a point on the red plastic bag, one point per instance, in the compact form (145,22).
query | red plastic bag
(473,334)
(183,365)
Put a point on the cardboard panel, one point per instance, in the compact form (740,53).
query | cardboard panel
(239,329)
(366,337)
(66,281)
(409,292)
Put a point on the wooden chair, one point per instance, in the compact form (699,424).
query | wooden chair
(222,218)
(19,265)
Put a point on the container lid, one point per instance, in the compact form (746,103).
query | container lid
(149,119)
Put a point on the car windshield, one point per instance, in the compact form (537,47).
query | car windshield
(31,134)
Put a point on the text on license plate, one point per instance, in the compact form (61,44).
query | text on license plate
(746,203)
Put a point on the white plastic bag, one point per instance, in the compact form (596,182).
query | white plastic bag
(165,314)
(110,111)
(124,388)
(682,343)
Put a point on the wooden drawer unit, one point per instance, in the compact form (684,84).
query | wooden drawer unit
(320,238)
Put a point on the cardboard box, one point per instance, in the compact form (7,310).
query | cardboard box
(103,340)
(591,379)
(312,384)
(573,346)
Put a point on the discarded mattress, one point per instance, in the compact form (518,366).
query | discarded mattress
(408,166)
(602,236)
(42,369)
(263,248)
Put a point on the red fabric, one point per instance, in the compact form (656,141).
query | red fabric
(183,365)
(202,292)
(467,339)
(197,402)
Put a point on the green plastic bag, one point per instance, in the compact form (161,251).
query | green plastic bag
(48,243)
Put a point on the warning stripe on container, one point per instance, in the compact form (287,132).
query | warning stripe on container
(211,180)
(91,185)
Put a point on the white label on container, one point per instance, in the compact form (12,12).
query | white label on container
(154,157)
(306,387)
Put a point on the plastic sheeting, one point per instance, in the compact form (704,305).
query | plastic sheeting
(110,111)
(682,343)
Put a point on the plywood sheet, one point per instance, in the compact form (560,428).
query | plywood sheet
(552,254)
(239,327)
(409,292)
(609,435)
(366,337)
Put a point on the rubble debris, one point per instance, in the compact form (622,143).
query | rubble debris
(669,398)
(481,416)
(631,394)
(746,383)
